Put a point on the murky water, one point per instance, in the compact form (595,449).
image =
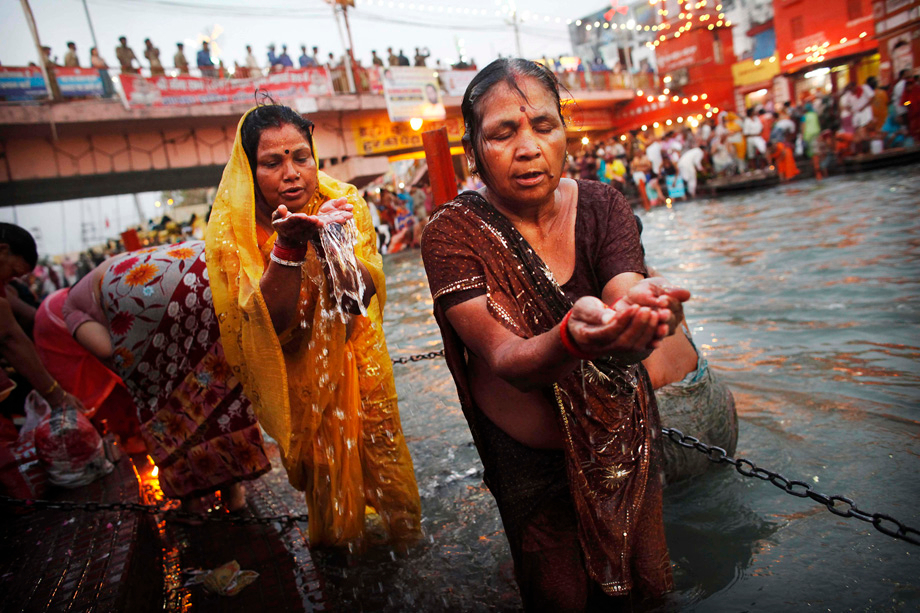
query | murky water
(806,301)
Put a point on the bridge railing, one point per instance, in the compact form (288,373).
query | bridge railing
(27,84)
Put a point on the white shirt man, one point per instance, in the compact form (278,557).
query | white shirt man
(689,164)
(752,128)
(252,63)
(654,154)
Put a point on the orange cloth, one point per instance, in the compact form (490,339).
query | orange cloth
(785,162)
(328,399)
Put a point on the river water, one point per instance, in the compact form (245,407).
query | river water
(806,301)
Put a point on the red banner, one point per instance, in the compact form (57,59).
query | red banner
(183,90)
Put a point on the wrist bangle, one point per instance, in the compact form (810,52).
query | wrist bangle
(51,389)
(292,264)
(288,253)
(567,341)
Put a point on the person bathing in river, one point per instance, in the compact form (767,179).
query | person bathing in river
(321,381)
(542,299)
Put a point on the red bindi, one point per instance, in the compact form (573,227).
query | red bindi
(287,151)
(522,109)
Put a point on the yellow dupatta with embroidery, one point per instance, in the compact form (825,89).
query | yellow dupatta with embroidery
(327,399)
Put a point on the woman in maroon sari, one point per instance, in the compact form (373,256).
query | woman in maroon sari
(549,372)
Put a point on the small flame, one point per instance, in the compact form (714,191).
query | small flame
(155,471)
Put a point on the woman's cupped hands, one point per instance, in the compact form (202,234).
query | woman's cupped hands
(633,326)
(299,229)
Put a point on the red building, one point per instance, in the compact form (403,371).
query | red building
(694,53)
(897,28)
(824,44)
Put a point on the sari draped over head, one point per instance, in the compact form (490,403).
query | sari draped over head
(608,414)
(329,400)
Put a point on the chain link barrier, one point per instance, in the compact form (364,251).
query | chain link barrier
(836,504)
(419,357)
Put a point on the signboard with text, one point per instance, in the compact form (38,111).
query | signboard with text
(22,83)
(378,135)
(412,92)
(79,82)
(185,90)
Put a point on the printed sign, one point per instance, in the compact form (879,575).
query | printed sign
(412,93)
(455,82)
(184,90)
(79,82)
(18,84)
(379,135)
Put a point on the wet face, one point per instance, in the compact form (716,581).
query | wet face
(285,170)
(522,143)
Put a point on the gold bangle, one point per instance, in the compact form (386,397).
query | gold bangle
(51,389)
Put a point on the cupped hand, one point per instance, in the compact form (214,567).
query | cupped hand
(298,229)
(600,330)
(656,294)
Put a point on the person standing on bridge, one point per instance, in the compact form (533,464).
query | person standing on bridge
(321,381)
(153,57)
(179,60)
(70,58)
(204,61)
(126,57)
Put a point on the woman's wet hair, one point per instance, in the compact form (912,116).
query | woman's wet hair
(20,242)
(270,115)
(508,71)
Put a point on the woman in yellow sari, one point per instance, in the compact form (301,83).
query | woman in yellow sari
(321,387)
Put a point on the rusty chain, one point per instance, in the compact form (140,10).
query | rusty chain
(419,357)
(836,504)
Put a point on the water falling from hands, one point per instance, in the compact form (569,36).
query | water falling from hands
(338,242)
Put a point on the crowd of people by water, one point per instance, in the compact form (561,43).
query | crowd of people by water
(557,335)
(822,130)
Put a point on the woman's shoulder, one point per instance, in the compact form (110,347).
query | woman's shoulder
(600,199)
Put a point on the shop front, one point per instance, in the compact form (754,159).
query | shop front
(897,28)
(821,51)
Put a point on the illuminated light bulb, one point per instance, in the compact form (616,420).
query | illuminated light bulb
(662,98)
(711,26)
(680,120)
(685,101)
(158,204)
(170,202)
(585,140)
(623,137)
(863,35)
(677,35)
(756,62)
(772,59)
(719,23)
(644,128)
(415,123)
(651,98)
(597,24)
(675,98)
(843,40)
(668,122)
(656,125)
(708,106)
(789,56)
(728,23)
(639,93)
(704,96)
(588,28)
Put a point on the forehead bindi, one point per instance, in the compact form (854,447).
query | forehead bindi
(285,139)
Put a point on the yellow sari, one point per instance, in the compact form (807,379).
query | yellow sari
(327,399)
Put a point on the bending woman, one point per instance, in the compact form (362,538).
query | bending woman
(148,316)
(321,387)
(540,293)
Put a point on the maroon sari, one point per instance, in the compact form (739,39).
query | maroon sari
(607,412)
